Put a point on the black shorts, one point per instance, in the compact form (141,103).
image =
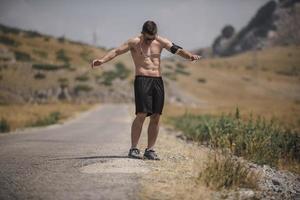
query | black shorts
(149,94)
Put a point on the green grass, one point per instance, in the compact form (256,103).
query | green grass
(258,140)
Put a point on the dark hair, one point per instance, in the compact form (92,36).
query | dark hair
(149,27)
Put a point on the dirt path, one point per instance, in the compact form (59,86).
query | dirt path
(85,158)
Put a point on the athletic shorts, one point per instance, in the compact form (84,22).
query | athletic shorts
(149,94)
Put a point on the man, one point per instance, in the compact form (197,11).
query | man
(148,85)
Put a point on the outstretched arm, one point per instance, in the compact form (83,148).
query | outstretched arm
(175,49)
(111,54)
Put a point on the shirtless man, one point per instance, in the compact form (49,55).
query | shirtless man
(145,50)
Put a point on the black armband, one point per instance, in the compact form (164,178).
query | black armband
(174,48)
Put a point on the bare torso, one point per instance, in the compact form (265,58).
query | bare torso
(146,56)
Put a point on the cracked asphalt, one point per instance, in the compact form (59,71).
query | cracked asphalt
(85,158)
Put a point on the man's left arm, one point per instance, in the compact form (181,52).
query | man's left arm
(175,49)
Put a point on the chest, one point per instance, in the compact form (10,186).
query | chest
(142,50)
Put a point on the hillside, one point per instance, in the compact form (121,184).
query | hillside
(40,68)
(265,82)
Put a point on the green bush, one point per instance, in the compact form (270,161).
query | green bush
(8,41)
(52,118)
(22,56)
(256,140)
(4,126)
(82,78)
(82,88)
(39,76)
(49,67)
(120,72)
(182,71)
(201,80)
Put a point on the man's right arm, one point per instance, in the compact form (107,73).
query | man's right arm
(112,54)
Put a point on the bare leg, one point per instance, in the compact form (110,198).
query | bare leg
(136,128)
(153,129)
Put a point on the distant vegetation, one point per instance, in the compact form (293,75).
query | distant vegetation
(61,56)
(39,76)
(52,118)
(63,82)
(8,41)
(22,56)
(40,53)
(258,140)
(82,88)
(82,78)
(49,67)
(4,126)
(120,72)
(225,171)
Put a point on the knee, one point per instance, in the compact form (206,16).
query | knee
(154,118)
(140,117)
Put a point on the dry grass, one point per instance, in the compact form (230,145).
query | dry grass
(20,116)
(176,175)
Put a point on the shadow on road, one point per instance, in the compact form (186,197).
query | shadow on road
(90,157)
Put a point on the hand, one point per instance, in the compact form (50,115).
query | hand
(96,62)
(195,57)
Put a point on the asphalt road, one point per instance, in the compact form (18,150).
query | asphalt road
(85,158)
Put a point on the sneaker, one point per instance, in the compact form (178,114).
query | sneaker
(150,155)
(134,153)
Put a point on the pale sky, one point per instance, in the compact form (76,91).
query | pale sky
(190,23)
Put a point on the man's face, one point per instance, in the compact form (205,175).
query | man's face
(148,38)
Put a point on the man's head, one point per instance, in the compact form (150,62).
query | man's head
(149,31)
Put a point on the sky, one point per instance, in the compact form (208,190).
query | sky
(190,23)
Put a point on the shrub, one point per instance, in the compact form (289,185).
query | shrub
(8,41)
(4,126)
(82,88)
(82,78)
(181,71)
(170,75)
(61,39)
(225,171)
(49,67)
(22,56)
(39,76)
(201,80)
(122,71)
(52,118)
(32,34)
(63,82)
(256,140)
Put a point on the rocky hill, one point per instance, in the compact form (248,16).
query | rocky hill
(275,23)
